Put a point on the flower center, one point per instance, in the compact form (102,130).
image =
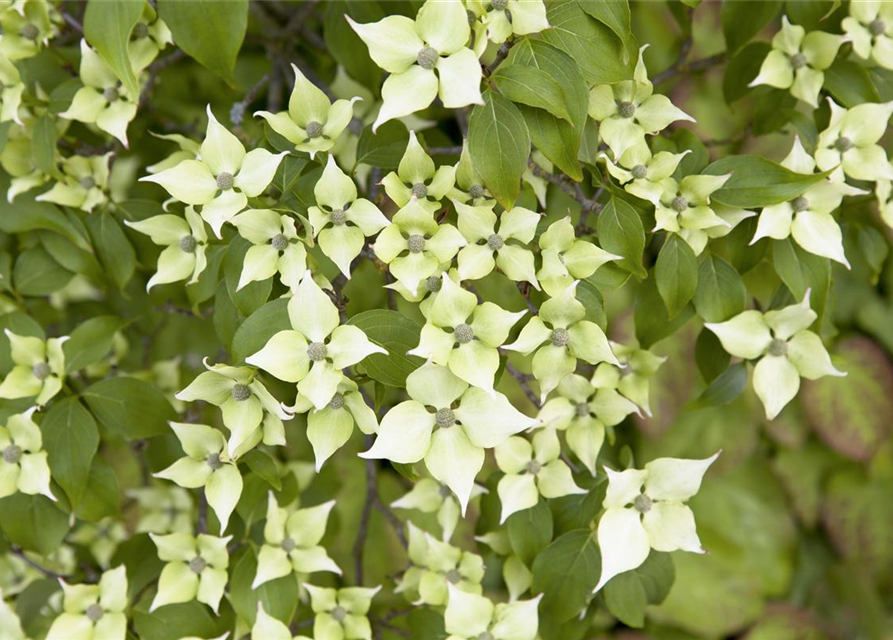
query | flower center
(534,467)
(434,284)
(495,242)
(110,94)
(314,129)
(799,204)
(499,5)
(224,181)
(642,503)
(416,243)
(560,337)
(188,244)
(279,242)
(141,30)
(337,401)
(94,612)
(843,144)
(30,31)
(639,171)
(679,204)
(877,27)
(583,409)
(778,348)
(40,370)
(419,190)
(317,351)
(288,545)
(463,333)
(626,109)
(798,61)
(197,564)
(476,191)
(12,454)
(427,58)
(213,461)
(453,576)
(87,183)
(445,418)
(241,392)
(339,613)
(338,217)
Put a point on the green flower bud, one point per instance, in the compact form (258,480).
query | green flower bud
(197,564)
(419,190)
(279,242)
(41,370)
(337,401)
(338,217)
(798,61)
(314,129)
(778,348)
(30,31)
(499,5)
(560,337)
(799,204)
(476,191)
(94,612)
(463,333)
(12,454)
(316,351)
(141,30)
(453,576)
(626,109)
(445,418)
(416,243)
(188,244)
(240,392)
(213,461)
(427,58)
(843,144)
(110,94)
(224,181)
(434,284)
(534,467)
(642,503)
(339,613)
(87,183)
(679,204)
(288,545)
(877,27)
(495,242)
(639,171)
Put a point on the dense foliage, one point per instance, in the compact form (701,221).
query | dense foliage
(431,319)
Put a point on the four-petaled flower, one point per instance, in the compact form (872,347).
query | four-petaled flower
(83,183)
(266,627)
(850,146)
(417,177)
(39,368)
(195,570)
(642,173)
(184,242)
(566,258)
(341,614)
(93,611)
(469,616)
(504,18)
(275,248)
(23,462)
(430,496)
(435,566)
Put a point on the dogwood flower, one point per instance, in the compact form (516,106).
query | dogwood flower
(93,611)
(414,245)
(469,187)
(413,50)
(784,347)
(560,323)
(329,428)
(504,18)
(315,350)
(266,627)
(10,625)
(292,542)
(341,221)
(102,539)
(808,218)
(417,177)
(435,565)
(870,28)
(223,177)
(644,510)
(38,371)
(467,420)
(276,247)
(575,411)
(23,462)
(487,249)
(312,123)
(532,471)
(632,379)
(567,258)
(149,36)
(103,100)
(11,89)
(163,509)
(684,208)
(207,465)
(195,570)
(83,183)
(850,146)
(341,614)
(27,27)
(184,242)
(464,335)
(641,173)
(430,496)
(798,60)
(469,616)
(250,412)
(626,111)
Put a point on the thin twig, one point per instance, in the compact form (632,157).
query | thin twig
(202,524)
(359,547)
(444,151)
(691,67)
(565,184)
(17,551)
(237,111)
(501,55)
(523,382)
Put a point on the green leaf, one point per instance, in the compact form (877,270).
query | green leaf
(107,27)
(533,87)
(176,621)
(259,327)
(620,231)
(37,274)
(628,594)
(616,16)
(743,69)
(43,145)
(724,389)
(100,499)
(345,45)
(263,464)
(279,597)
(385,148)
(90,342)
(710,357)
(71,439)
(33,523)
(530,531)
(853,415)
(800,270)
(499,144)
(741,21)
(653,322)
(757,182)
(850,84)
(565,573)
(114,249)
(28,215)
(130,407)
(721,293)
(676,273)
(211,31)
(593,302)
(396,333)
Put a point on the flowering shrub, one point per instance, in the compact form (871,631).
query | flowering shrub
(445,320)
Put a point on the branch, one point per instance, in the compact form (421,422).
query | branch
(570,188)
(237,111)
(501,55)
(17,551)
(522,379)
(691,67)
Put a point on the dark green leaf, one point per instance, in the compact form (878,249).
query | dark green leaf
(757,182)
(710,357)
(620,231)
(90,342)
(741,21)
(345,45)
(107,27)
(533,87)
(114,249)
(130,407)
(530,531)
(850,84)
(37,274)
(71,439)
(383,149)
(33,522)
(725,388)
(652,318)
(742,69)
(43,145)
(721,293)
(676,273)
(100,499)
(259,327)
(616,16)
(593,302)
(565,573)
(279,597)
(176,621)
(28,215)
(396,333)
(263,464)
